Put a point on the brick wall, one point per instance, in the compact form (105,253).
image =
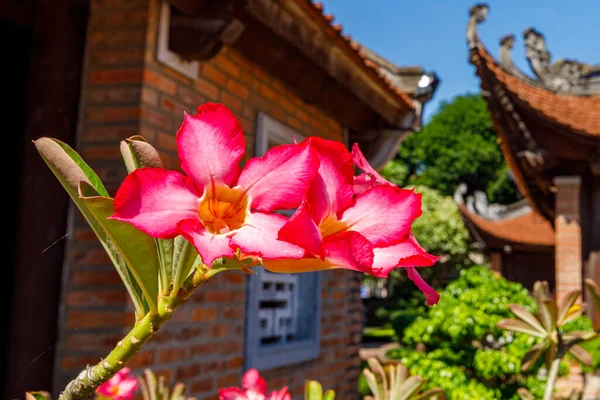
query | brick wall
(125,92)
(568,236)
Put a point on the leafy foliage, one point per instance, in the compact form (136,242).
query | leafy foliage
(458,145)
(460,348)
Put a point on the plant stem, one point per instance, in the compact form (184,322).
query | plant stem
(552,375)
(91,377)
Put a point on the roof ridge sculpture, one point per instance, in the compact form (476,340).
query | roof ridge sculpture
(563,76)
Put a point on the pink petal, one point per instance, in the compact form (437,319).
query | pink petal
(258,236)
(208,245)
(210,145)
(302,231)
(105,389)
(253,381)
(331,191)
(383,214)
(363,182)
(407,253)
(362,163)
(232,393)
(279,180)
(128,387)
(349,250)
(282,394)
(154,200)
(431,295)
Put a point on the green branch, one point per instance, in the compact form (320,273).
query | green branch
(93,376)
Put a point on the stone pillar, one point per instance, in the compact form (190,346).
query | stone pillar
(567,227)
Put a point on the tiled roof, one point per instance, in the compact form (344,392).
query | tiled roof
(529,228)
(580,114)
(352,48)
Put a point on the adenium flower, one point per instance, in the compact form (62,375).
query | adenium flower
(214,202)
(254,387)
(122,386)
(363,226)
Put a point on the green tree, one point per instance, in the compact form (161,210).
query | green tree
(459,144)
(458,347)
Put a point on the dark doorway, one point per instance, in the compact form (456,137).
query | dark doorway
(43,43)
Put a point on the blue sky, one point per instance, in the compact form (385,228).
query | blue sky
(431,33)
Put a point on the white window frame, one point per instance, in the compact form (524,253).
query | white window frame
(191,69)
(262,356)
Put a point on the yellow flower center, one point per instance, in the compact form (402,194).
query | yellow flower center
(330,226)
(223,209)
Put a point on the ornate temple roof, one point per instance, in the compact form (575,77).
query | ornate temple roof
(495,226)
(547,124)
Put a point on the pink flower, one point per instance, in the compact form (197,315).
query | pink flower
(214,205)
(254,388)
(361,224)
(120,387)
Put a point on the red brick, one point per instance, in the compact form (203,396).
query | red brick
(268,93)
(250,81)
(110,38)
(93,341)
(96,278)
(228,66)
(101,153)
(202,350)
(228,380)
(214,75)
(233,313)
(202,386)
(110,134)
(166,141)
(294,123)
(232,102)
(204,314)
(220,330)
(125,18)
(96,297)
(187,372)
(236,362)
(113,94)
(171,355)
(173,107)
(96,319)
(90,257)
(160,82)
(208,89)
(116,76)
(237,89)
(114,58)
(235,277)
(143,359)
(79,362)
(112,114)
(149,96)
(217,296)
(156,119)
(190,97)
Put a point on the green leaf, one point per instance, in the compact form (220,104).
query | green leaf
(380,374)
(520,326)
(528,317)
(436,392)
(329,395)
(70,169)
(374,384)
(594,291)
(178,392)
(128,244)
(410,387)
(39,395)
(137,153)
(313,391)
(185,257)
(565,306)
(550,354)
(581,354)
(533,355)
